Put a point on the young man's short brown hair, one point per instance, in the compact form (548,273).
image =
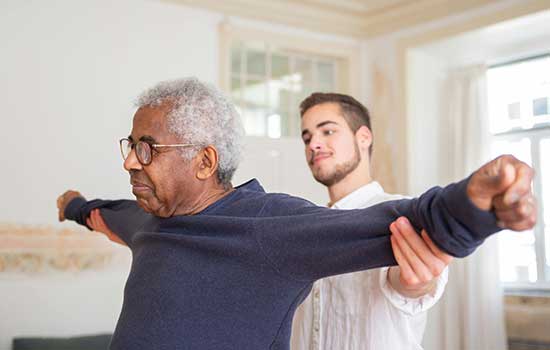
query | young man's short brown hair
(355,114)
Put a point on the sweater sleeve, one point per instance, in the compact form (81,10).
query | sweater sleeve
(308,242)
(123,217)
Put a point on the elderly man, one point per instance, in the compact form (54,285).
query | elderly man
(217,267)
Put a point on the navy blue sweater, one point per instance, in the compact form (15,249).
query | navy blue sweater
(232,276)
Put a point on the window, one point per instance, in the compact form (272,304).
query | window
(519,95)
(268,84)
(268,75)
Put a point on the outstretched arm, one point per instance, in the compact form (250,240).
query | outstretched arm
(96,222)
(119,220)
(310,242)
(421,261)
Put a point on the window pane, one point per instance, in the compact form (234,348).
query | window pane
(269,82)
(325,76)
(254,119)
(236,91)
(286,126)
(279,92)
(304,71)
(540,106)
(236,52)
(545,174)
(305,91)
(521,149)
(255,92)
(544,199)
(274,125)
(255,63)
(518,261)
(518,94)
(280,103)
(280,66)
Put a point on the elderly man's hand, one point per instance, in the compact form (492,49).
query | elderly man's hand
(504,185)
(96,222)
(64,200)
(420,260)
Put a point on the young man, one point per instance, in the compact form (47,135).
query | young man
(375,309)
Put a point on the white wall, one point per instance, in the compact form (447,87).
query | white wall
(425,83)
(69,72)
(281,167)
(60,304)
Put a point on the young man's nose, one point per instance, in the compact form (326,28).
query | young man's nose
(315,144)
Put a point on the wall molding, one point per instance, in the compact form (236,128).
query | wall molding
(356,18)
(32,249)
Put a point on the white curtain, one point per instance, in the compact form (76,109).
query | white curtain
(471,312)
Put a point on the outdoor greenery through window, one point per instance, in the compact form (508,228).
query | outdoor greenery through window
(519,112)
(268,83)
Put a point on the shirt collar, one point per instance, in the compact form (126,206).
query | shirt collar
(360,195)
(251,185)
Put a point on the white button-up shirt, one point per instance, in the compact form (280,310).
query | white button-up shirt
(360,310)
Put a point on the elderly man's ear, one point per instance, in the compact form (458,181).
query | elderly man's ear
(208,162)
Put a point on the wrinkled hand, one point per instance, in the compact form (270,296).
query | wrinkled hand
(96,222)
(420,260)
(504,185)
(64,200)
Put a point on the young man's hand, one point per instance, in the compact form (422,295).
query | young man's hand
(96,222)
(420,260)
(504,185)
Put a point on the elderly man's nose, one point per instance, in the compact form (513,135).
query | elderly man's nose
(131,162)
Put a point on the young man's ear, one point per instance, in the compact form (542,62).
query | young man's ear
(208,162)
(364,138)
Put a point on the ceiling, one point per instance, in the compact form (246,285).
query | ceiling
(358,18)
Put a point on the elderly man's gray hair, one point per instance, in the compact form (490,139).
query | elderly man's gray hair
(200,114)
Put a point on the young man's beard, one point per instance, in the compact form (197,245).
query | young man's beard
(340,171)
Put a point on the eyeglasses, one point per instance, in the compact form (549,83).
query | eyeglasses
(144,150)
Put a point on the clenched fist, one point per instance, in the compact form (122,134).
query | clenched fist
(64,200)
(504,185)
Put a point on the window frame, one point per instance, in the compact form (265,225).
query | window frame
(535,134)
(345,51)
